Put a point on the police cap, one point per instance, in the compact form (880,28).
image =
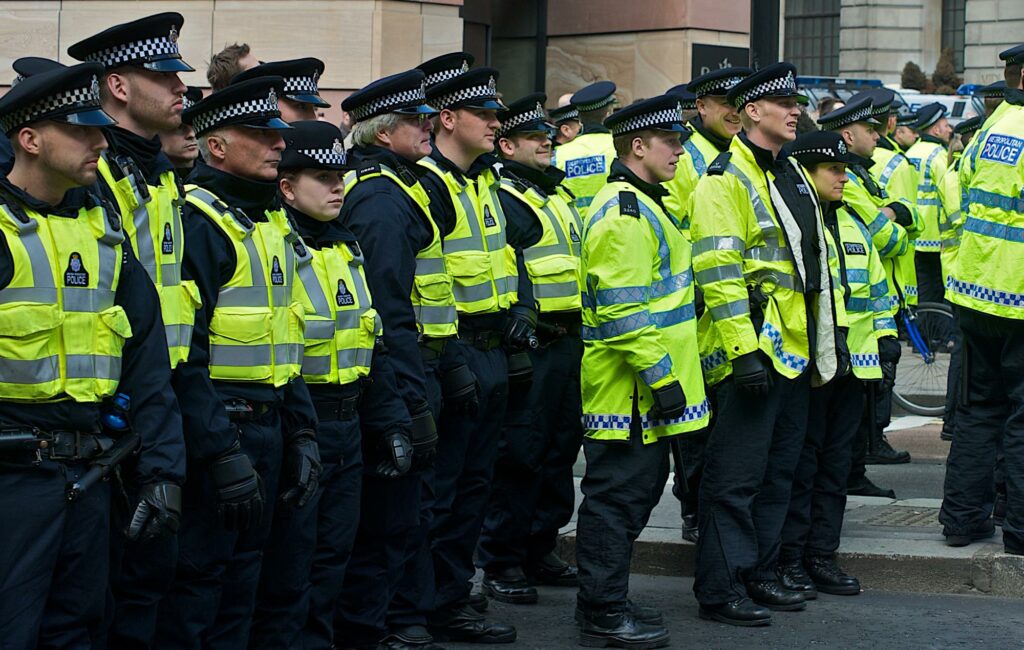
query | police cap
(995,89)
(1013,55)
(65,94)
(150,42)
(686,98)
(474,89)
(597,95)
(193,94)
(661,113)
(882,100)
(566,113)
(851,113)
(27,66)
(929,114)
(775,80)
(969,125)
(445,67)
(251,103)
(399,93)
(906,117)
(525,115)
(822,147)
(718,82)
(300,78)
(312,144)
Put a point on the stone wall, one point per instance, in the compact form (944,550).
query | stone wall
(878,37)
(992,26)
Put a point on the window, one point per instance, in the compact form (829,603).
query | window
(953,30)
(812,36)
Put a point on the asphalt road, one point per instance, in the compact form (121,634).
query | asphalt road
(873,620)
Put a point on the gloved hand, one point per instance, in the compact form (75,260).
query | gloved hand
(889,349)
(750,373)
(157,514)
(239,490)
(423,435)
(888,376)
(902,214)
(301,468)
(521,327)
(459,389)
(669,402)
(844,362)
(397,454)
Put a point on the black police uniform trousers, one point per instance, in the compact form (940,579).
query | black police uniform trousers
(533,493)
(750,461)
(466,454)
(931,287)
(883,417)
(818,499)
(53,556)
(623,482)
(308,549)
(213,598)
(992,406)
(413,598)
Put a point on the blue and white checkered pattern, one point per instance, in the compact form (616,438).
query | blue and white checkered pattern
(333,156)
(652,120)
(840,150)
(445,75)
(606,422)
(859,115)
(593,106)
(690,414)
(713,360)
(794,361)
(84,98)
(768,88)
(481,92)
(387,103)
(864,360)
(517,120)
(719,86)
(986,294)
(304,85)
(145,50)
(264,106)
(565,114)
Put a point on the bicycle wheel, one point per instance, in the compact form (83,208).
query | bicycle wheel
(922,374)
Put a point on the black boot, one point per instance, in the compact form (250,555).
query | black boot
(962,538)
(620,630)
(465,624)
(880,452)
(690,531)
(865,488)
(553,571)
(793,577)
(770,594)
(829,578)
(478,601)
(641,613)
(410,637)
(742,612)
(509,586)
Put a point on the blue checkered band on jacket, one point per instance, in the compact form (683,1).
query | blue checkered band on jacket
(690,414)
(445,75)
(304,85)
(145,50)
(85,97)
(536,114)
(858,115)
(794,361)
(769,88)
(211,119)
(720,86)
(483,91)
(333,156)
(388,103)
(864,360)
(713,360)
(651,120)
(987,294)
(605,421)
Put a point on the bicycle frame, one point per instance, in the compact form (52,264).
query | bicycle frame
(910,323)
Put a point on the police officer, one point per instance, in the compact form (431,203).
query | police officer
(141,89)
(810,535)
(987,299)
(67,398)
(640,378)
(587,158)
(301,98)
(567,122)
(26,66)
(386,208)
(713,129)
(180,145)
(992,96)
(533,492)
(492,315)
(769,332)
(242,253)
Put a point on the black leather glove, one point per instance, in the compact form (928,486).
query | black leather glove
(888,376)
(669,402)
(423,435)
(903,215)
(889,349)
(397,454)
(750,372)
(157,514)
(301,468)
(239,490)
(844,362)
(459,389)
(521,327)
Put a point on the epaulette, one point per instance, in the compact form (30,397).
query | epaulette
(719,164)
(568,191)
(406,174)
(628,204)
(368,170)
(128,167)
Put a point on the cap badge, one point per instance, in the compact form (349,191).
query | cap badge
(539,108)
(316,77)
(465,66)
(679,107)
(172,36)
(492,86)
(272,97)
(841,148)
(338,147)
(94,88)
(423,88)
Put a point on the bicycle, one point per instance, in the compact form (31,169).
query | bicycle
(923,370)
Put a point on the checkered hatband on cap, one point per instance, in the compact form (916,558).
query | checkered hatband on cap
(483,91)
(387,103)
(445,75)
(186,102)
(839,150)
(651,120)
(858,115)
(333,156)
(565,115)
(229,114)
(304,85)
(593,106)
(163,46)
(720,86)
(532,115)
(768,88)
(84,97)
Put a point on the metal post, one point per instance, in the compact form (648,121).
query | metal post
(764,32)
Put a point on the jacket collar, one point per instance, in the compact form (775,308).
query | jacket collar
(764,158)
(319,234)
(722,144)
(373,154)
(546,180)
(621,173)
(593,127)
(147,154)
(252,197)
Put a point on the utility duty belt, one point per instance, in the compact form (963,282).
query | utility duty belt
(346,407)
(432,349)
(243,410)
(484,340)
(551,326)
(34,445)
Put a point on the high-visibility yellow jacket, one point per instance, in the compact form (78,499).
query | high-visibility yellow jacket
(698,153)
(951,220)
(894,173)
(586,161)
(928,156)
